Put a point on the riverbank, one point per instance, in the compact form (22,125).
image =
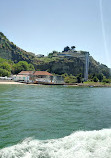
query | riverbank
(93,84)
(85,84)
(9,82)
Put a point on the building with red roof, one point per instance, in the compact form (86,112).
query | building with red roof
(26,73)
(42,73)
(37,77)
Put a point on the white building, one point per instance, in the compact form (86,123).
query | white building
(21,78)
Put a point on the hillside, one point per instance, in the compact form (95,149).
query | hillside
(57,65)
(8,50)
(72,66)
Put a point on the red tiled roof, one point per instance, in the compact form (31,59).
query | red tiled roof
(21,75)
(42,73)
(26,73)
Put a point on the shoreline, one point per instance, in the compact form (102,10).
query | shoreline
(2,82)
(91,85)
(10,82)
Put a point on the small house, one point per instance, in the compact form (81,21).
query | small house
(21,78)
(24,76)
(42,76)
(26,73)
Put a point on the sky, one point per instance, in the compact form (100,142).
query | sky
(41,26)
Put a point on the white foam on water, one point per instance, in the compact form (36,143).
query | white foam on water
(82,144)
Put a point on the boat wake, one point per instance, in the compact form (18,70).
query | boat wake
(82,144)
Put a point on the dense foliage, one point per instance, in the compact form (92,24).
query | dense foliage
(7,67)
(21,66)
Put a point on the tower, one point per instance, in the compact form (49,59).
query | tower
(86,66)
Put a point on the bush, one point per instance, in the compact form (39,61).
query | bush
(22,66)
(106,81)
(100,77)
(5,66)
(4,72)
(95,79)
(79,78)
(70,79)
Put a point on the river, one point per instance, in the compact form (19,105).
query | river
(38,121)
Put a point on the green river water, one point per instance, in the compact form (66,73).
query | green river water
(50,112)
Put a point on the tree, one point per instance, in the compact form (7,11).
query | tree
(70,79)
(54,52)
(4,72)
(5,66)
(73,47)
(22,66)
(106,72)
(100,77)
(106,80)
(66,49)
(79,78)
(31,67)
(95,79)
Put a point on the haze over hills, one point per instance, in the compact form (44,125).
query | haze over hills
(53,64)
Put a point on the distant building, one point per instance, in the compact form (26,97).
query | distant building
(64,55)
(26,73)
(39,55)
(24,76)
(21,78)
(5,78)
(38,77)
(42,76)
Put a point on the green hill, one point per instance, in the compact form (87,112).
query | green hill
(8,50)
(53,64)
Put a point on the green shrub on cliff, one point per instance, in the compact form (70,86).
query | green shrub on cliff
(95,79)
(22,66)
(4,72)
(69,78)
(5,66)
(106,81)
(79,78)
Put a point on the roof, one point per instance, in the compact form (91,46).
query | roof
(26,73)
(42,73)
(20,75)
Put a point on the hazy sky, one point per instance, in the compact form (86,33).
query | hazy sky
(41,26)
